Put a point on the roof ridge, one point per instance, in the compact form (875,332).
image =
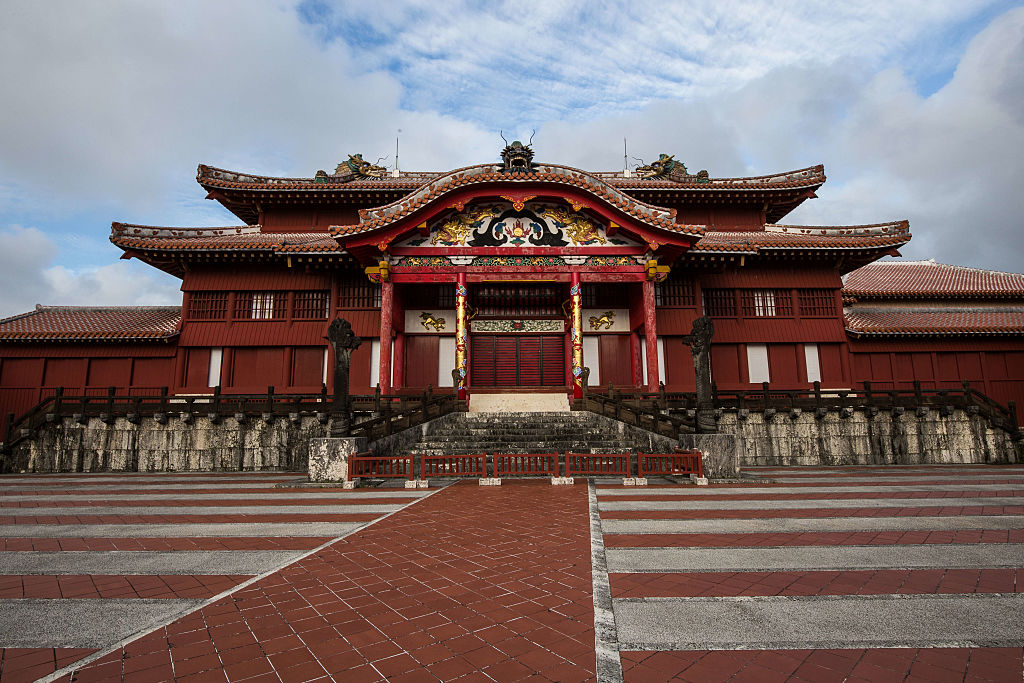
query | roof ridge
(41,307)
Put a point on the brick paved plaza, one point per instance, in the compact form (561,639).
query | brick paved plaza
(850,574)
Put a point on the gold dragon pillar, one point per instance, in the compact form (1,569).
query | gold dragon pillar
(461,335)
(576,333)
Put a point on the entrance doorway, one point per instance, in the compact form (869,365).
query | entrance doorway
(517,360)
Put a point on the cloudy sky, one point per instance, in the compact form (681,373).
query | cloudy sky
(916,108)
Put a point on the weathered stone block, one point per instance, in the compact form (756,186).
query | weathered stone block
(721,457)
(328,458)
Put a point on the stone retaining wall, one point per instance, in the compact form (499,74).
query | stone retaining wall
(860,438)
(168,445)
(278,443)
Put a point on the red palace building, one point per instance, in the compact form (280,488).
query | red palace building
(517,275)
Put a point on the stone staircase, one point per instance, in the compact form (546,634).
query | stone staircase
(534,432)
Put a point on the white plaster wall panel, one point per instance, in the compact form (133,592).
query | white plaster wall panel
(445,361)
(757,363)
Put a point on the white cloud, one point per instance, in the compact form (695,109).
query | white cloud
(520,63)
(28,277)
(109,107)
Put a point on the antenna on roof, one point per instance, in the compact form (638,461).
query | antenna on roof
(625,160)
(397,170)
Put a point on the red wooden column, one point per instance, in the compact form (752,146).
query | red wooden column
(635,359)
(399,370)
(387,300)
(651,336)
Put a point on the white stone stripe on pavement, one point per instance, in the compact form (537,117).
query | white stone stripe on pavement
(700,491)
(769,623)
(83,623)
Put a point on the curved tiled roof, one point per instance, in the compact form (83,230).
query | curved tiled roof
(92,323)
(928,279)
(932,322)
(211,176)
(237,238)
(806,237)
(371,219)
(809,177)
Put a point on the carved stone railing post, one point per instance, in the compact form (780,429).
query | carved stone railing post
(343,341)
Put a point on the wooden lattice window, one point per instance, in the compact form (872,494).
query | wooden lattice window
(311,305)
(511,301)
(208,305)
(674,293)
(446,296)
(260,305)
(359,292)
(817,302)
(766,303)
(720,303)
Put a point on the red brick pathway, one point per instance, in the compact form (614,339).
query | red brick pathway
(79,586)
(817,513)
(935,665)
(814,538)
(23,664)
(180,543)
(847,582)
(483,584)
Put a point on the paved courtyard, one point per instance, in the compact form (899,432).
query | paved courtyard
(852,574)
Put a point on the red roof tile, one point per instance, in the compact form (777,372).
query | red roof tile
(903,321)
(806,237)
(92,323)
(914,279)
(238,238)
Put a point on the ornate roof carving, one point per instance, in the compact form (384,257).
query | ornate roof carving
(371,219)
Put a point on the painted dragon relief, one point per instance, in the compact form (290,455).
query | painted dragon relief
(502,224)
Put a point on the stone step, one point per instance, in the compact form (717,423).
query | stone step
(526,433)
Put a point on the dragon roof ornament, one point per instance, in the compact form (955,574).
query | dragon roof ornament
(668,168)
(356,167)
(518,158)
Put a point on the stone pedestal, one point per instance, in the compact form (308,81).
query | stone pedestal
(721,460)
(328,458)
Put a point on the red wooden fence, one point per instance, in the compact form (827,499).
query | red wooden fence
(453,466)
(534,463)
(614,464)
(377,467)
(682,462)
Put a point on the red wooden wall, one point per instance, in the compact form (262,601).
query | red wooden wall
(30,372)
